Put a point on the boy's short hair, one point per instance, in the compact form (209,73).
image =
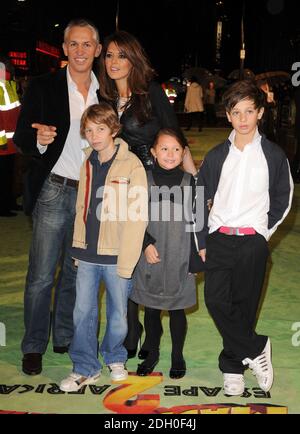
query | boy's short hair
(101,113)
(241,90)
(177,134)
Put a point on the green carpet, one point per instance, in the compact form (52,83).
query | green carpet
(201,143)
(200,390)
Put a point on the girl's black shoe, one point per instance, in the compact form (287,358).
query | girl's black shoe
(143,354)
(178,372)
(143,369)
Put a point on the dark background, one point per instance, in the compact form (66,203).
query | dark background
(175,33)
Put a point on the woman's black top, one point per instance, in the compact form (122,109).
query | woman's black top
(140,137)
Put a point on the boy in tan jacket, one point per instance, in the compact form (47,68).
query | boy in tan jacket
(111,218)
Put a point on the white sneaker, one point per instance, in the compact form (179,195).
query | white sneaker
(118,372)
(75,382)
(234,384)
(262,368)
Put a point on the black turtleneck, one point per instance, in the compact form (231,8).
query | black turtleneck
(167,177)
(171,178)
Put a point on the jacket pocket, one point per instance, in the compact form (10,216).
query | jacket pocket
(119,180)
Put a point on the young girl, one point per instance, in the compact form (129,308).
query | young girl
(162,280)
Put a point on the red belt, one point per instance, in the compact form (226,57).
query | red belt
(236,231)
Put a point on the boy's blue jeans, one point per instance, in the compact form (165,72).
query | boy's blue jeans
(84,347)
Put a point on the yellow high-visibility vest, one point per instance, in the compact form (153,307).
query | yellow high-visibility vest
(9,100)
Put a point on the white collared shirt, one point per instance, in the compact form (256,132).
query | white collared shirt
(72,156)
(242,198)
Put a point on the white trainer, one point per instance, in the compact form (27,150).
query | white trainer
(75,382)
(118,372)
(262,367)
(234,384)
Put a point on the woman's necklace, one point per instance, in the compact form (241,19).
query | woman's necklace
(122,101)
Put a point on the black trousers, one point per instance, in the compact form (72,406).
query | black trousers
(6,182)
(234,277)
(135,328)
(195,118)
(211,117)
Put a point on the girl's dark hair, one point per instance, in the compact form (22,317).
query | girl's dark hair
(177,134)
(241,90)
(139,78)
(101,113)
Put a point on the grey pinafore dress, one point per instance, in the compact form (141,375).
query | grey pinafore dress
(167,285)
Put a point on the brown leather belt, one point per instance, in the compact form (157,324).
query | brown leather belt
(64,181)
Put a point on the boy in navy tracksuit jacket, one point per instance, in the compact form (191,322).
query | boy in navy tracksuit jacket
(248,192)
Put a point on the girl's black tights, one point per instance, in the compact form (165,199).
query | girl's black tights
(153,329)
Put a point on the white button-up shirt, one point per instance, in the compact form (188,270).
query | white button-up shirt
(242,198)
(72,156)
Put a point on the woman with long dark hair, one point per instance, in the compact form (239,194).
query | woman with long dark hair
(127,82)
